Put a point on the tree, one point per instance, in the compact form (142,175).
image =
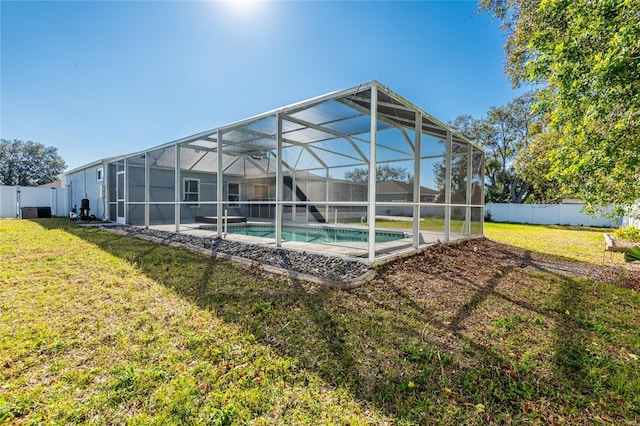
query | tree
(458,178)
(28,163)
(503,133)
(533,164)
(586,54)
(383,172)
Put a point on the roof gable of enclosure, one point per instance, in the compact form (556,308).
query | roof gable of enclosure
(332,130)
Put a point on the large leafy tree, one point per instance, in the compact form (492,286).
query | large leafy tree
(533,164)
(458,177)
(28,163)
(384,172)
(586,54)
(503,133)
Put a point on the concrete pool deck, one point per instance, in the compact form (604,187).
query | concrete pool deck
(354,250)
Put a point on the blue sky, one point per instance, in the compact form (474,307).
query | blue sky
(96,79)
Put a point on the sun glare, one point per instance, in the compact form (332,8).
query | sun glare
(245,16)
(243,6)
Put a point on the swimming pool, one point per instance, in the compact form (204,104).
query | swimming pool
(312,234)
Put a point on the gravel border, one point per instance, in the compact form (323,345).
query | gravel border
(332,271)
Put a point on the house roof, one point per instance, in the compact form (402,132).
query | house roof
(397,187)
(55,184)
(93,164)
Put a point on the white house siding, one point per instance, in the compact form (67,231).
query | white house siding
(84,184)
(162,190)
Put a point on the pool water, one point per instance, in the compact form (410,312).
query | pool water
(312,234)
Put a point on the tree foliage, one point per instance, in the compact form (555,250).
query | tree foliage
(459,161)
(383,172)
(503,133)
(28,163)
(533,163)
(586,53)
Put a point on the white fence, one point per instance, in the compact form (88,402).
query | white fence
(13,198)
(631,221)
(633,216)
(547,214)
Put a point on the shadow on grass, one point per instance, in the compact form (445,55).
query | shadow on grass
(416,361)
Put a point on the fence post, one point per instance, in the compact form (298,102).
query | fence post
(18,201)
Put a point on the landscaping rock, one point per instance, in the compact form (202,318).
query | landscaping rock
(329,269)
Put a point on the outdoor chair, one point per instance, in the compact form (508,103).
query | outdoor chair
(614,245)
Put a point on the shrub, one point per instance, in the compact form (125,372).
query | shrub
(628,233)
(632,255)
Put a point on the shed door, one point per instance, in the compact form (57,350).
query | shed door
(120,198)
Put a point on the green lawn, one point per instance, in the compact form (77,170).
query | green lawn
(427,224)
(564,242)
(100,328)
(90,334)
(569,242)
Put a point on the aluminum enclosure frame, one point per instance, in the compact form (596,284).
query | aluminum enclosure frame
(323,139)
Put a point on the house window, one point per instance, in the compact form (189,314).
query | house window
(233,194)
(261,191)
(192,190)
(99,174)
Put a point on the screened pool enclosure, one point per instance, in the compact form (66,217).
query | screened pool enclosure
(360,173)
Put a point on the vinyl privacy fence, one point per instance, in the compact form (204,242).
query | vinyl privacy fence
(633,216)
(13,198)
(547,214)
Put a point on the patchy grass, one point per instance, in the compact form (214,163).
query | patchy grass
(97,327)
(563,242)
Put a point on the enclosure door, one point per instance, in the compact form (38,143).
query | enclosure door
(120,198)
